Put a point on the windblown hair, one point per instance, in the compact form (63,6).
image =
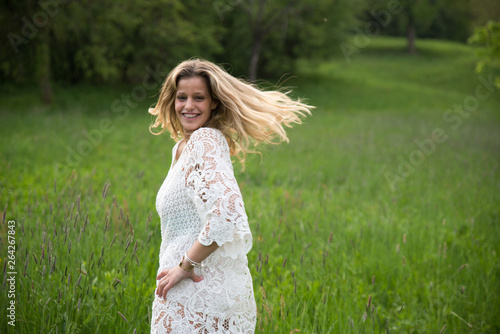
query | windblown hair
(245,114)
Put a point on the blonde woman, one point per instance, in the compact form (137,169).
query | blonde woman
(203,283)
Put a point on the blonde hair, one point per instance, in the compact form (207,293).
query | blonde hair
(244,114)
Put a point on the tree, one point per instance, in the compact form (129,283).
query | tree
(70,41)
(451,20)
(484,11)
(445,19)
(264,38)
(264,18)
(487,39)
(109,40)
(28,48)
(101,41)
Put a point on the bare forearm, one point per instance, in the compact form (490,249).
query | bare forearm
(198,252)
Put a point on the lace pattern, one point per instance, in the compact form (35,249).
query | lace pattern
(200,199)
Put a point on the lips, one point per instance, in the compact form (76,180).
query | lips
(190,115)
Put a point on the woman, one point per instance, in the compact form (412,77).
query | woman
(203,283)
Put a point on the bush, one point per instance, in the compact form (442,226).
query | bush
(488,40)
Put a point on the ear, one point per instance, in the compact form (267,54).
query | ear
(214,104)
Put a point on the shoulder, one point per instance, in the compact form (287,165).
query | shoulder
(209,142)
(209,135)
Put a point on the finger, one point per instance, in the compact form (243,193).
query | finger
(161,287)
(172,281)
(162,274)
(159,290)
(196,278)
(165,290)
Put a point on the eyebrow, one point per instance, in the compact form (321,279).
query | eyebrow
(199,92)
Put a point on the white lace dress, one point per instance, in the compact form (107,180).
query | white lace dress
(200,199)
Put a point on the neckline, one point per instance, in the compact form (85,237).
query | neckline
(175,160)
(176,148)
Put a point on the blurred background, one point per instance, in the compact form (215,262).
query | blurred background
(65,42)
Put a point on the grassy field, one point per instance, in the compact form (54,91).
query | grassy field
(380,216)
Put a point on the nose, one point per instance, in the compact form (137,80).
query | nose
(189,104)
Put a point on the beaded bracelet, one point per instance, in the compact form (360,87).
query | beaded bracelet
(194,264)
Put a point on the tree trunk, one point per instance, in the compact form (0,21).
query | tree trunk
(410,31)
(254,57)
(43,66)
(257,35)
(260,28)
(411,39)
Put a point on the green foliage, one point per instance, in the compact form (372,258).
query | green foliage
(445,19)
(484,11)
(113,41)
(335,250)
(487,39)
(451,20)
(290,30)
(107,41)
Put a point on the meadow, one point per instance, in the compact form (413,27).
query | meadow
(380,216)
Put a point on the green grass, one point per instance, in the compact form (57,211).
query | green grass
(330,231)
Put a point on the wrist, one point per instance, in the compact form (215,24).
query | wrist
(186,265)
(193,263)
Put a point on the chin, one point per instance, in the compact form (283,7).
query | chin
(191,128)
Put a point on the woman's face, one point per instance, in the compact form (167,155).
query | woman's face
(193,104)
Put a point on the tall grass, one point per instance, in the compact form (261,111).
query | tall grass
(336,250)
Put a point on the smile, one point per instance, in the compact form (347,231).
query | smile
(190,115)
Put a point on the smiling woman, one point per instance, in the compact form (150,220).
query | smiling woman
(203,283)
(193,103)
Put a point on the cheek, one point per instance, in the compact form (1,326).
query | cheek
(209,106)
(177,106)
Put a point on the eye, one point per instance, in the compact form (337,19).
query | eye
(181,98)
(199,98)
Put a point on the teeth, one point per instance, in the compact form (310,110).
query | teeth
(191,115)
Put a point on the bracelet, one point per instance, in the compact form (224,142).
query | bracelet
(194,264)
(188,270)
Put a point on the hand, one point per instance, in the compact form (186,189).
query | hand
(168,278)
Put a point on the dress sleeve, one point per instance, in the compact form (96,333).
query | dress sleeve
(210,180)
